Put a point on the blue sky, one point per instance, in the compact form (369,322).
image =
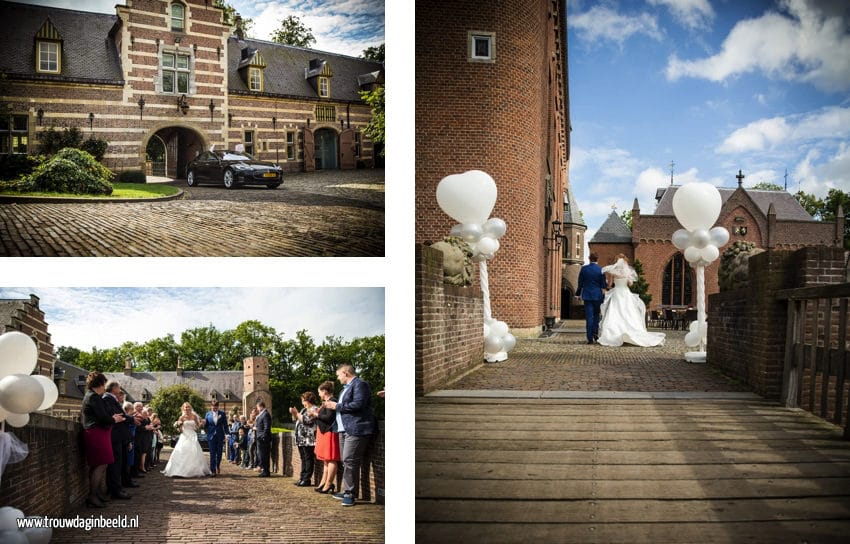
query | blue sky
(107,317)
(714,86)
(339,26)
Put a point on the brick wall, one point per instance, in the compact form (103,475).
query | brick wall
(54,476)
(747,326)
(449,324)
(289,464)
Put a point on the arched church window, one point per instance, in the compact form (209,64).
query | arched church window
(677,287)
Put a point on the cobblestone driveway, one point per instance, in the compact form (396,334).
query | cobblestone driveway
(328,213)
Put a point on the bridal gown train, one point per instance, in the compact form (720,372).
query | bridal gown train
(624,319)
(188,459)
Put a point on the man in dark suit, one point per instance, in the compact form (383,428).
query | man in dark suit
(263,428)
(591,282)
(216,426)
(116,479)
(357,425)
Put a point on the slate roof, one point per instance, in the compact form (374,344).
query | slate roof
(223,382)
(786,206)
(75,379)
(571,212)
(613,230)
(88,52)
(285,70)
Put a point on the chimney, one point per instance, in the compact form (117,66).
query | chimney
(239,31)
(128,367)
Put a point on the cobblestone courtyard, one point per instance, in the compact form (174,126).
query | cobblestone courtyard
(235,506)
(328,213)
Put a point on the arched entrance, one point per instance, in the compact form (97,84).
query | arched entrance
(155,157)
(326,149)
(566,299)
(178,145)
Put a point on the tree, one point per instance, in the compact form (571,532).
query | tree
(767,186)
(68,354)
(293,32)
(157,354)
(827,209)
(812,204)
(375,53)
(640,287)
(627,218)
(168,400)
(375,129)
(231,16)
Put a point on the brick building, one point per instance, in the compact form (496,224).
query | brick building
(769,219)
(162,80)
(492,95)
(25,316)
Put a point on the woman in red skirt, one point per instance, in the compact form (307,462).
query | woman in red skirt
(327,440)
(97,435)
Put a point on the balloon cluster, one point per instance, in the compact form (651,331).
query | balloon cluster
(21,393)
(697,207)
(469,199)
(10,534)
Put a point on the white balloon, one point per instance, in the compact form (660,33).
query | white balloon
(467,197)
(20,394)
(38,535)
(3,413)
(18,354)
(719,236)
(51,392)
(681,239)
(15,536)
(17,420)
(470,232)
(478,257)
(499,328)
(457,230)
(508,342)
(692,339)
(697,205)
(495,227)
(8,517)
(692,254)
(487,245)
(700,238)
(486,330)
(709,253)
(493,344)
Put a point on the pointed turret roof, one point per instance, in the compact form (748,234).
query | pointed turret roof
(613,230)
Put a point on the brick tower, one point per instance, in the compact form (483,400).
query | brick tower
(256,372)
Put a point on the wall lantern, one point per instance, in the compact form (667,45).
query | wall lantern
(212,108)
(39,115)
(308,122)
(141,104)
(91,124)
(556,237)
(341,123)
(182,104)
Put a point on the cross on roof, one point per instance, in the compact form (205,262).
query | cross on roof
(740,177)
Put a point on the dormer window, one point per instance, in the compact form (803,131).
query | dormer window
(319,74)
(48,57)
(255,79)
(324,87)
(178,17)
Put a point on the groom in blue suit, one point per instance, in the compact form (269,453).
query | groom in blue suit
(216,425)
(591,282)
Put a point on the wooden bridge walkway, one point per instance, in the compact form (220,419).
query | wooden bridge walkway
(687,468)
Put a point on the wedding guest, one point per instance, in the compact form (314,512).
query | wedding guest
(131,447)
(356,425)
(120,437)
(232,445)
(157,444)
(305,436)
(97,435)
(263,437)
(242,444)
(142,441)
(327,441)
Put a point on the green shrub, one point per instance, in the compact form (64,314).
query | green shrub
(70,171)
(131,176)
(96,148)
(14,167)
(52,140)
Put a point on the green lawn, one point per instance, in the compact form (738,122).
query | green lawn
(120,190)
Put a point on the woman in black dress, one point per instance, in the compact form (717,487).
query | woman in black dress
(97,435)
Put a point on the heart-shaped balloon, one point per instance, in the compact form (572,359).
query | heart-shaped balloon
(697,205)
(467,197)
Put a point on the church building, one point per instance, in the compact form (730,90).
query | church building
(162,80)
(768,219)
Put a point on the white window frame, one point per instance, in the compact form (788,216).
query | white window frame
(176,70)
(324,87)
(290,145)
(182,19)
(248,142)
(57,60)
(476,37)
(254,71)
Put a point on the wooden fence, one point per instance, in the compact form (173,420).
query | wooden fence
(816,375)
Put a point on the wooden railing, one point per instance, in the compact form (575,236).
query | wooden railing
(816,376)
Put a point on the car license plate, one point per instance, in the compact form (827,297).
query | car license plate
(269,175)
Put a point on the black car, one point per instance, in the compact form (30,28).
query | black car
(232,168)
(202,440)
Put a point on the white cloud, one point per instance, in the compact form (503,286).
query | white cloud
(818,178)
(828,123)
(690,13)
(806,44)
(602,23)
(105,318)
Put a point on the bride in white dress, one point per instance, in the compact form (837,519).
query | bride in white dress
(187,459)
(623,312)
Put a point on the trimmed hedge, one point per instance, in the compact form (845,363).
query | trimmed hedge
(14,166)
(131,176)
(70,171)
